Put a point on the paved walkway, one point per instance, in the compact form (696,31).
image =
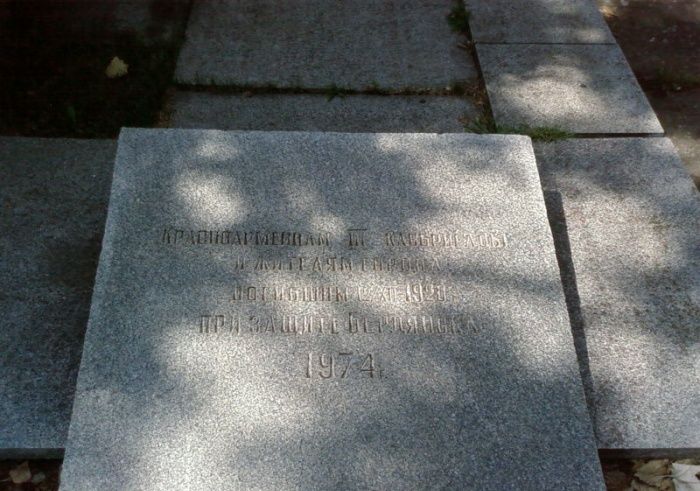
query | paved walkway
(335,64)
(622,209)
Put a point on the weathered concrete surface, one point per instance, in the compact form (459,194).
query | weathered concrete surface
(392,44)
(287,310)
(54,203)
(578,88)
(306,112)
(537,21)
(632,216)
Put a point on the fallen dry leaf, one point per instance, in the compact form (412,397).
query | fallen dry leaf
(686,477)
(654,471)
(116,68)
(652,476)
(21,473)
(608,11)
(640,486)
(38,477)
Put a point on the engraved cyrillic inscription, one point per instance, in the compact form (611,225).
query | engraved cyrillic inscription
(175,236)
(355,323)
(343,264)
(357,238)
(401,266)
(449,239)
(411,324)
(408,293)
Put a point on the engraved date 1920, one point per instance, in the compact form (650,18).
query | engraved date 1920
(342,365)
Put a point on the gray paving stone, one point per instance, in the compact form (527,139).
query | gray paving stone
(633,217)
(472,379)
(54,203)
(537,21)
(579,88)
(315,44)
(303,112)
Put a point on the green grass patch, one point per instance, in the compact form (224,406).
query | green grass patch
(333,91)
(482,125)
(547,133)
(486,125)
(458,18)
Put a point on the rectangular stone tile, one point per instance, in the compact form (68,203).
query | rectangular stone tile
(578,88)
(537,21)
(286,310)
(54,203)
(633,216)
(306,112)
(315,44)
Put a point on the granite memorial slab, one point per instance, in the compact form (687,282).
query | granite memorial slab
(632,215)
(391,44)
(281,310)
(309,112)
(586,89)
(54,204)
(537,21)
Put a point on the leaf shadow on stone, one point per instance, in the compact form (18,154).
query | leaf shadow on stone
(584,89)
(538,21)
(180,408)
(629,211)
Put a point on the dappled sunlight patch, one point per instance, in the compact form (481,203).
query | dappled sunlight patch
(366,326)
(214,149)
(304,200)
(581,88)
(211,198)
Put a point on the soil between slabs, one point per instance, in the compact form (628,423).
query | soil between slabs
(661,42)
(54,82)
(618,474)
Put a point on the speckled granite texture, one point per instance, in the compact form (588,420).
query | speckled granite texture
(315,44)
(537,21)
(633,216)
(54,204)
(586,89)
(328,311)
(308,112)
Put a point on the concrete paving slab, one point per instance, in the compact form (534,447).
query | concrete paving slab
(297,310)
(54,203)
(306,112)
(579,88)
(393,44)
(632,214)
(537,21)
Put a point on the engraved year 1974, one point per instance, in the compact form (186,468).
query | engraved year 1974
(344,364)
